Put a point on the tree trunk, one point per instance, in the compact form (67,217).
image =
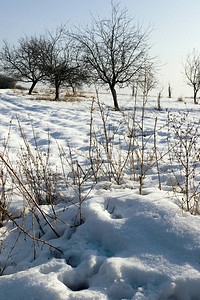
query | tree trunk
(114,95)
(73,89)
(57,86)
(32,87)
(195,96)
(158,100)
(169,91)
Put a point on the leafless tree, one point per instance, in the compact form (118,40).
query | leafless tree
(147,80)
(21,61)
(59,61)
(78,77)
(114,49)
(192,72)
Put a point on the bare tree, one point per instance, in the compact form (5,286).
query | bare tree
(21,61)
(192,72)
(78,77)
(114,49)
(147,80)
(59,60)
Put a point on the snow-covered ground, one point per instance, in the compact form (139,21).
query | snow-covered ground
(129,246)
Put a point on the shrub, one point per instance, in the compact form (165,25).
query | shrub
(7,82)
(183,141)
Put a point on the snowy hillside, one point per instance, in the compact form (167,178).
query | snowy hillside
(114,238)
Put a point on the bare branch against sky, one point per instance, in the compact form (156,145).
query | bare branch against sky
(175,23)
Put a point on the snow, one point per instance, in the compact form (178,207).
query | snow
(129,246)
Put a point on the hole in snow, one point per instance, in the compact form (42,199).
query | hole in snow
(71,232)
(73,261)
(77,287)
(116,216)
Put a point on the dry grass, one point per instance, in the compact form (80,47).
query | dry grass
(65,99)
(47,94)
(75,94)
(180,99)
(19,91)
(71,99)
(42,97)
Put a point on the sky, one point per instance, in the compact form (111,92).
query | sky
(175,28)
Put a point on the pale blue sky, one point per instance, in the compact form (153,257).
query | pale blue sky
(176,27)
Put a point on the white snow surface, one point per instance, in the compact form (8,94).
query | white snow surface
(130,246)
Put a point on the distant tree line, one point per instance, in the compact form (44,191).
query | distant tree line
(112,52)
(6,82)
